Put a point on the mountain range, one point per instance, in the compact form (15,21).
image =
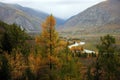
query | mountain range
(26,18)
(100,18)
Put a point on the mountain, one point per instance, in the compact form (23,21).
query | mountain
(26,18)
(102,17)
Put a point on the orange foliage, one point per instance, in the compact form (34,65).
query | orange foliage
(17,64)
(49,37)
(53,59)
(79,48)
(37,39)
(62,43)
(34,62)
(48,41)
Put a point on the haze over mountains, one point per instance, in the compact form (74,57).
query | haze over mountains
(27,18)
(103,17)
(100,18)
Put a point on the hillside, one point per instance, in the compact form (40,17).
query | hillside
(27,18)
(103,17)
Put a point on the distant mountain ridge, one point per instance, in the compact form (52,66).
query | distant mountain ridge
(101,17)
(27,18)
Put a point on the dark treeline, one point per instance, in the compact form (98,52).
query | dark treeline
(12,37)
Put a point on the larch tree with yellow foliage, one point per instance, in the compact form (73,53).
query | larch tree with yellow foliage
(48,39)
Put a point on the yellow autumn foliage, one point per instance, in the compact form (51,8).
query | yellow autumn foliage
(17,64)
(34,62)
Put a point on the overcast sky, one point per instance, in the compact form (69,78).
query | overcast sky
(60,8)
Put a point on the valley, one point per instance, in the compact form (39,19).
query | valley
(35,45)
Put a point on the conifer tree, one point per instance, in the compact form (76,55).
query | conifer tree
(108,58)
(48,41)
(6,44)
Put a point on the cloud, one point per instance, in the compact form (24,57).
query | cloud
(10,1)
(51,1)
(60,8)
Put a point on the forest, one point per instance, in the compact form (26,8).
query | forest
(47,57)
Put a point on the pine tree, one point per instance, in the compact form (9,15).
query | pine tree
(108,58)
(6,44)
(13,38)
(4,68)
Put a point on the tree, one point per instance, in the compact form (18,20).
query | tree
(98,71)
(49,37)
(48,41)
(70,69)
(13,38)
(108,58)
(4,68)
(17,36)
(107,45)
(6,44)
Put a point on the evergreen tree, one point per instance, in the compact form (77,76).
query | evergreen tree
(13,38)
(108,58)
(98,70)
(6,44)
(4,68)
(17,36)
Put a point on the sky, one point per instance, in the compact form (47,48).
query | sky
(60,8)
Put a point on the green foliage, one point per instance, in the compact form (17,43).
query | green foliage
(89,75)
(83,55)
(107,45)
(50,60)
(13,38)
(70,67)
(6,44)
(28,75)
(17,35)
(98,70)
(108,58)
(4,68)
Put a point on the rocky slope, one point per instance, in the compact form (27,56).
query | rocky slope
(102,17)
(27,18)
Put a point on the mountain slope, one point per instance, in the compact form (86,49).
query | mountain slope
(27,18)
(96,18)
